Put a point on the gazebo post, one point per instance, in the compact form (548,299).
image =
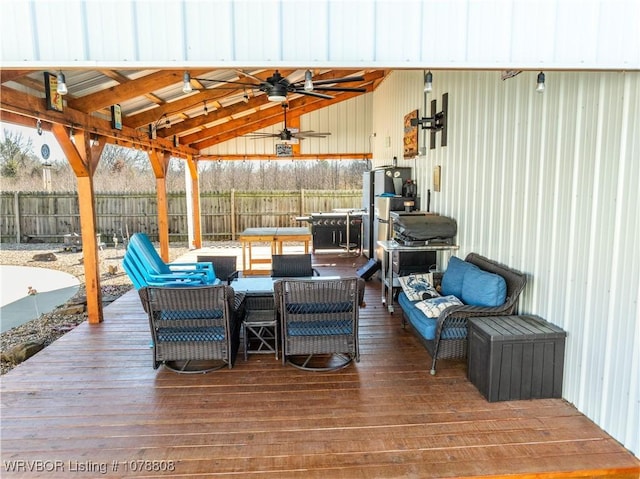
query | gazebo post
(83,158)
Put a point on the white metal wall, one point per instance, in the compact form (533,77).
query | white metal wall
(349,123)
(585,34)
(548,184)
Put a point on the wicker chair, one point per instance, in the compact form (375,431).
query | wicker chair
(224,267)
(451,331)
(319,317)
(193,324)
(292,266)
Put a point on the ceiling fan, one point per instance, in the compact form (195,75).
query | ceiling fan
(277,87)
(288,134)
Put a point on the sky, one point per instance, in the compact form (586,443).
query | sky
(47,137)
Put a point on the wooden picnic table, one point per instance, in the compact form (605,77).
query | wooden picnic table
(276,237)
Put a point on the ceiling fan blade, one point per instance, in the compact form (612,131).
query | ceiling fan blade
(312,93)
(339,88)
(249,75)
(231,82)
(338,80)
(262,135)
(311,134)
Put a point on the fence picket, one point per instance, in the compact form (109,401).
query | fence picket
(40,216)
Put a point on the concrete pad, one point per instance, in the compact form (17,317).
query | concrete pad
(53,288)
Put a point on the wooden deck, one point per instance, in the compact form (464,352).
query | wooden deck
(91,405)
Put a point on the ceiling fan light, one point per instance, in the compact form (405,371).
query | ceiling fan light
(278,94)
(308,83)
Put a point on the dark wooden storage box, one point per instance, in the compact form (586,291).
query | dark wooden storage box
(516,357)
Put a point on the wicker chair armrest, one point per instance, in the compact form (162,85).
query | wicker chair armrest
(238,301)
(453,314)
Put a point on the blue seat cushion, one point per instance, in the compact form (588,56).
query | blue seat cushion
(320,328)
(481,288)
(425,326)
(454,276)
(215,333)
(320,308)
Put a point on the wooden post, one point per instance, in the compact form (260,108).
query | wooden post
(159,163)
(195,202)
(233,214)
(84,158)
(16,211)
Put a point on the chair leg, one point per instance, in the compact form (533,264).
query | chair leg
(182,367)
(346,359)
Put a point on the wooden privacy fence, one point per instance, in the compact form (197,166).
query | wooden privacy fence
(49,216)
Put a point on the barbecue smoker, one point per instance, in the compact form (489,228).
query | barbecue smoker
(329,230)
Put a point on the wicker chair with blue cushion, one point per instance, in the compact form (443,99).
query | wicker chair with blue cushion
(193,325)
(319,321)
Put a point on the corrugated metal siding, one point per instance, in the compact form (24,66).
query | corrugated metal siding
(548,184)
(484,34)
(349,123)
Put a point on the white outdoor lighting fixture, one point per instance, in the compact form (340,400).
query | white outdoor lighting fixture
(206,110)
(428,82)
(245,97)
(540,81)
(186,83)
(308,83)
(62,84)
(277,93)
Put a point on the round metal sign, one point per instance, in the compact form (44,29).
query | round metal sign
(45,152)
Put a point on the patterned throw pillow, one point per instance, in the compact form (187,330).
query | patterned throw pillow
(418,286)
(433,307)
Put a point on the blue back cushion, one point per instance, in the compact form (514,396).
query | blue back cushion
(454,275)
(480,288)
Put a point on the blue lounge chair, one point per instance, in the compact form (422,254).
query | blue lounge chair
(151,262)
(141,278)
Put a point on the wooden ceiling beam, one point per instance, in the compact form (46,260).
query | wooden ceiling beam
(126,91)
(12,75)
(301,156)
(28,106)
(237,108)
(242,126)
(211,94)
(120,78)
(239,127)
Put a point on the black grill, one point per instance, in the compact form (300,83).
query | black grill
(329,230)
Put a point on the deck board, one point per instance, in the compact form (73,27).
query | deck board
(92,399)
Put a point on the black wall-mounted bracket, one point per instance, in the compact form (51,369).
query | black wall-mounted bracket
(437,122)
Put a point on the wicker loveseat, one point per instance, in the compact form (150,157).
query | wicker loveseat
(445,336)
